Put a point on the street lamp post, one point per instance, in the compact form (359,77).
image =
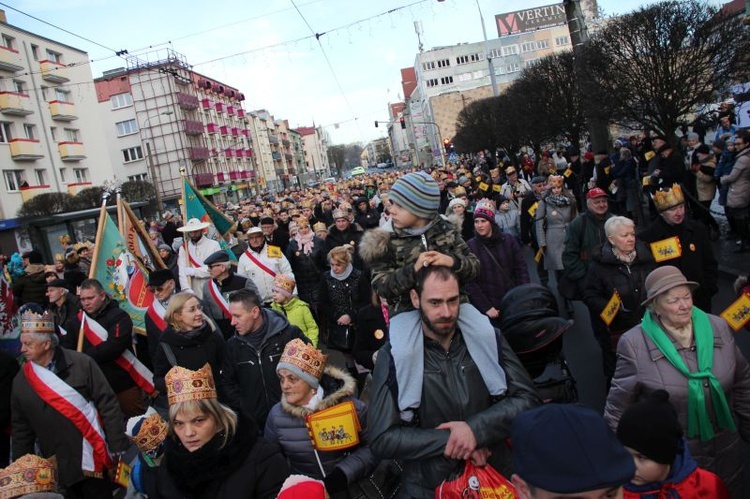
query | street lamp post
(151,165)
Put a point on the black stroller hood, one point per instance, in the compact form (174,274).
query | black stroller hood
(524,302)
(535,334)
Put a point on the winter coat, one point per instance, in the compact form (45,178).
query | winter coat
(8,370)
(508,221)
(607,274)
(739,181)
(453,390)
(345,297)
(705,184)
(214,310)
(66,314)
(685,480)
(246,467)
(584,234)
(298,314)
(34,421)
(308,269)
(286,427)
(671,170)
(390,253)
(527,220)
(367,219)
(275,261)
(192,277)
(31,287)
(169,232)
(697,262)
(551,227)
(352,235)
(464,224)
(642,368)
(372,333)
(248,374)
(191,351)
(171,264)
(502,268)
(119,325)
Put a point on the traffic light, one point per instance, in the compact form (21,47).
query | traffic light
(403,122)
(376,123)
(447,145)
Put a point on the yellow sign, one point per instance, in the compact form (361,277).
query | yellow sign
(539,255)
(334,428)
(649,155)
(274,251)
(666,249)
(607,169)
(738,313)
(611,308)
(478,179)
(568,172)
(122,474)
(646,180)
(532,208)
(496,188)
(483,186)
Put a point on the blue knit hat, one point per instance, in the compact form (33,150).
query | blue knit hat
(417,193)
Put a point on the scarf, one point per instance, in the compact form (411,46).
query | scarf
(344,275)
(699,422)
(557,200)
(626,259)
(305,242)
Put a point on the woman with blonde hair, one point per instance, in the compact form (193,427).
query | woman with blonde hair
(553,214)
(211,452)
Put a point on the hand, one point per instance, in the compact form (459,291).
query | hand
(344,320)
(461,442)
(493,313)
(480,456)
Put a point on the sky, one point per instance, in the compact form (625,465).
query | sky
(343,80)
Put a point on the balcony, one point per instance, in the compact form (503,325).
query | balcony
(74,189)
(230,110)
(230,153)
(25,149)
(212,128)
(286,142)
(235,132)
(204,179)
(276,156)
(273,139)
(235,175)
(288,156)
(71,151)
(62,111)
(222,177)
(207,104)
(187,101)
(248,153)
(53,72)
(240,153)
(240,113)
(10,60)
(193,127)
(33,191)
(199,153)
(224,130)
(219,107)
(15,104)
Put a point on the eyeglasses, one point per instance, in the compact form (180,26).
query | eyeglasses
(194,308)
(158,289)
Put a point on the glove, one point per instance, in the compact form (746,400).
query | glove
(335,481)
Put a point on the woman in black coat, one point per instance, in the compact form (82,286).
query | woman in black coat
(307,256)
(621,264)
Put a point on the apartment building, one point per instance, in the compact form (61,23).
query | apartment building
(315,140)
(51,137)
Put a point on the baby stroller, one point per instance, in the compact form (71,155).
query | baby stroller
(532,326)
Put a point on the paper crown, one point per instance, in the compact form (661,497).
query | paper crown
(34,323)
(151,432)
(28,474)
(303,222)
(669,198)
(284,282)
(305,357)
(555,181)
(320,226)
(184,385)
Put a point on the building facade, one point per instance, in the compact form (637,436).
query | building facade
(315,142)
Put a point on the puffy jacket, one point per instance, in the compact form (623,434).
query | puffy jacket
(298,314)
(642,368)
(352,235)
(338,298)
(739,180)
(308,269)
(248,375)
(31,287)
(584,234)
(286,427)
(453,390)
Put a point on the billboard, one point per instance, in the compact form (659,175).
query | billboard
(521,21)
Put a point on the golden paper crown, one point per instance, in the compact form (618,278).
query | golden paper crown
(153,431)
(666,199)
(306,204)
(34,323)
(304,356)
(284,282)
(555,181)
(184,385)
(320,226)
(27,475)
(302,221)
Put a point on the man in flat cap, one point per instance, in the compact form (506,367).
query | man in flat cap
(216,291)
(163,285)
(63,305)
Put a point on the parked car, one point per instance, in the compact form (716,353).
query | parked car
(358,171)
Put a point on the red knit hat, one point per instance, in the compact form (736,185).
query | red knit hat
(302,487)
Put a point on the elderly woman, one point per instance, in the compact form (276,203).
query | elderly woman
(620,265)
(692,355)
(457,214)
(308,386)
(553,214)
(191,341)
(210,452)
(307,256)
(501,261)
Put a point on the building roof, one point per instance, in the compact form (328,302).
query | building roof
(305,130)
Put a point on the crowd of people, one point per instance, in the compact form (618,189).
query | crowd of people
(403,274)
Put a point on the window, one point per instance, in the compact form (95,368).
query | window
(54,56)
(428,65)
(8,42)
(29,131)
(72,135)
(462,59)
(40,176)
(531,62)
(63,171)
(13,179)
(446,80)
(126,127)
(142,177)
(562,40)
(432,82)
(5,132)
(510,50)
(45,93)
(82,174)
(121,100)
(477,74)
(18,86)
(132,154)
(513,68)
(494,54)
(542,44)
(53,132)
(35,52)
(528,47)
(444,63)
(62,95)
(464,77)
(476,57)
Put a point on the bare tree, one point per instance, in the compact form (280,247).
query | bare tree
(652,68)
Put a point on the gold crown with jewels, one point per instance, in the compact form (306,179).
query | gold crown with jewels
(28,474)
(669,198)
(34,323)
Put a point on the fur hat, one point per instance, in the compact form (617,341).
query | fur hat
(651,427)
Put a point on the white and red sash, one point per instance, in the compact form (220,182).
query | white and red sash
(193,261)
(157,312)
(216,295)
(97,335)
(257,262)
(82,413)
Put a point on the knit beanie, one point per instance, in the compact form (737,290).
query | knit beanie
(417,193)
(651,428)
(485,209)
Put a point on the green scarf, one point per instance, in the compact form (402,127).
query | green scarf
(699,423)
